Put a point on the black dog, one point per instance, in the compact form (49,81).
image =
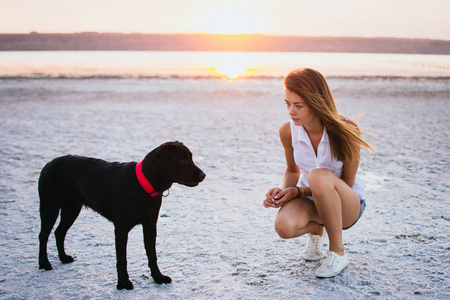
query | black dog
(127,194)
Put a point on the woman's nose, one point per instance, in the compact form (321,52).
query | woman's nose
(290,111)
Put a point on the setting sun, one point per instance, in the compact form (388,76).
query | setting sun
(232,22)
(230,18)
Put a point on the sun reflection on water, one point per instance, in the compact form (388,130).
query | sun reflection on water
(232,65)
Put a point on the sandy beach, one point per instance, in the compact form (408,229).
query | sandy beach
(217,241)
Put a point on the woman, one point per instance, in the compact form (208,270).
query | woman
(322,149)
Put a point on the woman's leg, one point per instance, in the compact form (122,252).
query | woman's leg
(296,218)
(337,205)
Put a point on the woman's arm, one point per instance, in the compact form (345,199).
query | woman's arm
(350,168)
(349,171)
(292,172)
(276,197)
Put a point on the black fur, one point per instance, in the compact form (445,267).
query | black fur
(68,183)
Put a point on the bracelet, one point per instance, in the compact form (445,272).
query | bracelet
(301,192)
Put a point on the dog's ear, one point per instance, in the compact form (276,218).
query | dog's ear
(164,156)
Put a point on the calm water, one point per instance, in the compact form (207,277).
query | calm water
(205,64)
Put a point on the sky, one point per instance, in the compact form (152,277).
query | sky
(354,18)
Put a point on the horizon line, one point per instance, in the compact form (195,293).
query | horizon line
(227,35)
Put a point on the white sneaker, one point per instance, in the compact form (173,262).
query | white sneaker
(313,249)
(332,265)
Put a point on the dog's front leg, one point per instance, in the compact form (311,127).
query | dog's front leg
(121,256)
(150,248)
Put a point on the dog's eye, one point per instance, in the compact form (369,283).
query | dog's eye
(183,161)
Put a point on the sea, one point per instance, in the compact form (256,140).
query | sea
(228,65)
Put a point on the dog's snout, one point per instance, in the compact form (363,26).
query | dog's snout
(201,176)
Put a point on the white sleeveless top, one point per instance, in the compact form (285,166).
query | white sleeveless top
(306,159)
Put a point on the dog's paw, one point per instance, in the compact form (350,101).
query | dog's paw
(162,279)
(66,259)
(124,284)
(45,265)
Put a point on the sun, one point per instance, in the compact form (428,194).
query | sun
(232,22)
(230,18)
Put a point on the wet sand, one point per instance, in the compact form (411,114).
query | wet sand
(216,240)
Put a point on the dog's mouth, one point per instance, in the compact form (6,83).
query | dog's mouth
(190,184)
(194,182)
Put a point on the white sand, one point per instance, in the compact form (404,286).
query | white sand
(217,240)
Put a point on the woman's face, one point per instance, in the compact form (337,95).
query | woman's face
(298,110)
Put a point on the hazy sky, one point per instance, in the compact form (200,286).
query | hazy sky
(365,18)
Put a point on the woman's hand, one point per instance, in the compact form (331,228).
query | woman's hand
(270,200)
(276,197)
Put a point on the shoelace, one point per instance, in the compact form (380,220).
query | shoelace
(331,260)
(314,244)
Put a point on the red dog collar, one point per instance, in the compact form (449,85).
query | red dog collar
(144,182)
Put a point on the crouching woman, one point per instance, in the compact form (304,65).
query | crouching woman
(322,150)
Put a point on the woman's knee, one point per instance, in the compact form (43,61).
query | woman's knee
(285,228)
(288,226)
(320,179)
(293,218)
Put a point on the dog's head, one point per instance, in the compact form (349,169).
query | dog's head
(175,161)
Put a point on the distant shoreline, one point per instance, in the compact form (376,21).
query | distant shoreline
(92,41)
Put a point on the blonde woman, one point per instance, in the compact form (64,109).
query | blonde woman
(322,150)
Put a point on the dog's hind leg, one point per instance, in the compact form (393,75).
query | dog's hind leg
(49,214)
(69,213)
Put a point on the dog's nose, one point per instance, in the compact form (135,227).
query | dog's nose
(201,176)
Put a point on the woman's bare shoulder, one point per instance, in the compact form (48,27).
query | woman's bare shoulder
(285,132)
(285,128)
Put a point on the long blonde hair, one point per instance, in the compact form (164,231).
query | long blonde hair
(344,134)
